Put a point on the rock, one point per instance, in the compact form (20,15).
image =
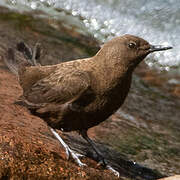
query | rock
(176,177)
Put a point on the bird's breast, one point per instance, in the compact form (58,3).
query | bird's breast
(106,102)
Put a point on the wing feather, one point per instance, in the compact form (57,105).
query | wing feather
(59,87)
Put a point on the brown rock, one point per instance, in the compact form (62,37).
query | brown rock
(176,177)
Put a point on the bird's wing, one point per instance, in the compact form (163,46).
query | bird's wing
(59,88)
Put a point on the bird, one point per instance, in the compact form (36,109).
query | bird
(79,94)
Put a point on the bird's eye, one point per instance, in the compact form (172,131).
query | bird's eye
(132,45)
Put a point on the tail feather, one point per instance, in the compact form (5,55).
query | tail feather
(27,52)
(31,55)
(14,59)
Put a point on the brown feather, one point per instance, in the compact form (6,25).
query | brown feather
(80,94)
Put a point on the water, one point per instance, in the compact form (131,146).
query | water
(156,21)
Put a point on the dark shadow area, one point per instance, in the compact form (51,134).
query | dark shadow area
(118,161)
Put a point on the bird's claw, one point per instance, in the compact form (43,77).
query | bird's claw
(75,156)
(78,154)
(104,163)
(69,152)
(116,173)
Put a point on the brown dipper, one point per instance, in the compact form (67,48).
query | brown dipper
(80,94)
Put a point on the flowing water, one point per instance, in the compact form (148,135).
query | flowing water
(157,21)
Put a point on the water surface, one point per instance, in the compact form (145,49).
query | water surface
(157,21)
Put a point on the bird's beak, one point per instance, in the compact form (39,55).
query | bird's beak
(158,48)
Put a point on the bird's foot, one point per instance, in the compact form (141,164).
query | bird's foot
(116,173)
(107,166)
(75,156)
(69,152)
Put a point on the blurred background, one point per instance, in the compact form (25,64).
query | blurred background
(146,129)
(156,21)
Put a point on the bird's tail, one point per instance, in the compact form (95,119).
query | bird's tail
(14,59)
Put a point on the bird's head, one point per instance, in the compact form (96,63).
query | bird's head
(129,50)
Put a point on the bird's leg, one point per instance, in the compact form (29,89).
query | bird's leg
(86,137)
(100,156)
(74,155)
